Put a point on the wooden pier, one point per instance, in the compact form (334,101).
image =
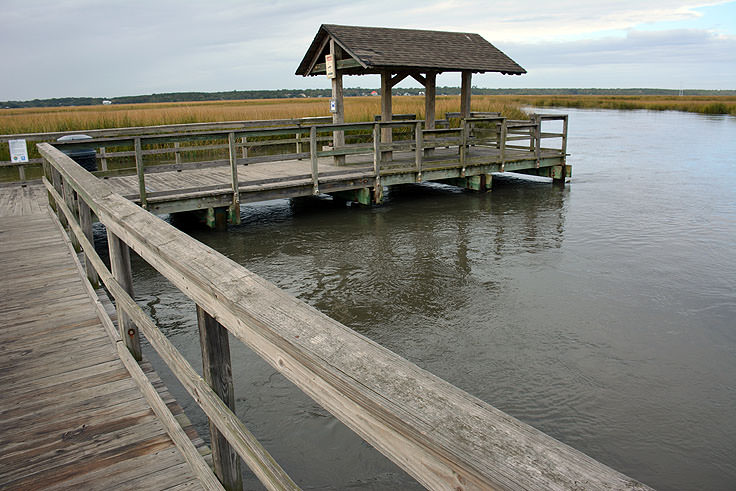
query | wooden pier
(71,413)
(438,433)
(216,167)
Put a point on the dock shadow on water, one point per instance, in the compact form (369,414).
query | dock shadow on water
(600,313)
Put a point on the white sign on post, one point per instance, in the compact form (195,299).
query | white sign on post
(333,106)
(330,66)
(18,151)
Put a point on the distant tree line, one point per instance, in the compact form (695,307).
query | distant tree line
(349,92)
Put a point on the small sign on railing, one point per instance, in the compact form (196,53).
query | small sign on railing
(18,151)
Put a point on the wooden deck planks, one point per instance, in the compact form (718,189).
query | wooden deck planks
(295,174)
(71,417)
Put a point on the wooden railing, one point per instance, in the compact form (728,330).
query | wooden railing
(144,131)
(438,433)
(121,151)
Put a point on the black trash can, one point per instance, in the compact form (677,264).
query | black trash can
(86,157)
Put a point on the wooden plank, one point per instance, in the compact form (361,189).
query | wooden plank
(247,446)
(58,373)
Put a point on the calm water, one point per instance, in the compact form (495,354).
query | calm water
(603,313)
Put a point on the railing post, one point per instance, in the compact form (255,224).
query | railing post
(419,139)
(377,158)
(244,151)
(56,181)
(177,153)
(314,159)
(47,173)
(85,221)
(217,372)
(564,138)
(504,134)
(538,139)
(235,207)
(139,170)
(298,138)
(103,159)
(120,265)
(22,172)
(463,145)
(70,203)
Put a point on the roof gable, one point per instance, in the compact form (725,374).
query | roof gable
(378,48)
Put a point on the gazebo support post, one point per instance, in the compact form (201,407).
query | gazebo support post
(430,93)
(465,94)
(386,115)
(338,117)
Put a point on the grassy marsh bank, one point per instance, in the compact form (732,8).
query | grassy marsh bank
(41,120)
(694,104)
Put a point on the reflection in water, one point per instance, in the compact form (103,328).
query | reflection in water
(601,313)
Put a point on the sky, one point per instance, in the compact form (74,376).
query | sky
(110,48)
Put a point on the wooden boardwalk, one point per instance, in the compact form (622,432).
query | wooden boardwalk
(210,183)
(71,416)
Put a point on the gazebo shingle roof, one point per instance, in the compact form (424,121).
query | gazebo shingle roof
(380,48)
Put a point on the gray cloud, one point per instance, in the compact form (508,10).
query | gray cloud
(85,47)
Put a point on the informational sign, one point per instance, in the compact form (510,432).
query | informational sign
(333,106)
(330,66)
(18,150)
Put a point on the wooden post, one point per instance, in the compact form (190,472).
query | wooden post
(378,188)
(22,172)
(120,265)
(217,372)
(69,200)
(563,168)
(56,180)
(139,170)
(465,93)
(177,153)
(419,151)
(537,139)
(47,174)
(103,159)
(430,95)
(244,140)
(463,146)
(502,148)
(298,138)
(338,117)
(314,159)
(235,206)
(386,113)
(85,221)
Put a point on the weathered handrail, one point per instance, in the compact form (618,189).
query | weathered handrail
(250,135)
(438,433)
(149,130)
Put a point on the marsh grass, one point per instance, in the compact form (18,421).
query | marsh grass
(41,120)
(694,104)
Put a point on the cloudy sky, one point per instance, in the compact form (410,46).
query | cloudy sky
(110,48)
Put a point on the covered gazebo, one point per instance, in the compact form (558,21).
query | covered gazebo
(396,54)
